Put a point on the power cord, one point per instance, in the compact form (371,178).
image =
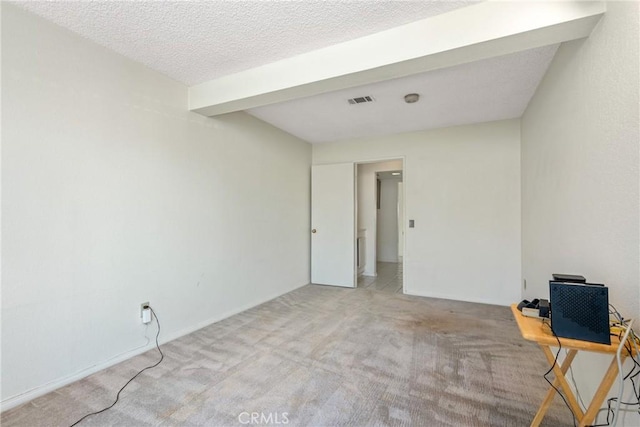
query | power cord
(621,374)
(575,386)
(555,362)
(132,378)
(631,376)
(622,325)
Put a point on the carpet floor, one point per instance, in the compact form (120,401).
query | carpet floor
(324,356)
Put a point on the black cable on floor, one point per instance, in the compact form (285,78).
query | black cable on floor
(132,378)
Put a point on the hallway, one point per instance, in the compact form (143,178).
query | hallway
(389,278)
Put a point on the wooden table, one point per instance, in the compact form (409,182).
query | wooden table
(533,329)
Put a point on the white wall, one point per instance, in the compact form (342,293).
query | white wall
(388,221)
(401,222)
(367,207)
(580,163)
(114,194)
(462,188)
(580,138)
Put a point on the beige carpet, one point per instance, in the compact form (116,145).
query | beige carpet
(326,357)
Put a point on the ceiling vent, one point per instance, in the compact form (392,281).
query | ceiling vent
(360,100)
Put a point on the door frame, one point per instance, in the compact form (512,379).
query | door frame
(403,159)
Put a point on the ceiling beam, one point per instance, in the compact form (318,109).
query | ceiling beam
(487,29)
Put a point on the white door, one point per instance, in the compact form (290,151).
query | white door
(333,259)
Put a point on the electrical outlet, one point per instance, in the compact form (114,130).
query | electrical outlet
(143,306)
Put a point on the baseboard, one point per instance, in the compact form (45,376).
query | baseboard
(457,298)
(13,401)
(17,400)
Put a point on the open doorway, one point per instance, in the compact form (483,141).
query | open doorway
(380,225)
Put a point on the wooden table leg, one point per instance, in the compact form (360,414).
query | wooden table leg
(568,393)
(544,406)
(601,393)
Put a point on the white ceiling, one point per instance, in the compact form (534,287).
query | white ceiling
(492,89)
(193,42)
(196,41)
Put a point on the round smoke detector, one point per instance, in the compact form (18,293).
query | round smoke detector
(411,98)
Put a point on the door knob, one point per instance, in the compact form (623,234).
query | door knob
(313,230)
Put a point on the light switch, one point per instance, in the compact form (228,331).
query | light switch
(411,223)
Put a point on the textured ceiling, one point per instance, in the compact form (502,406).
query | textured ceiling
(194,41)
(492,89)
